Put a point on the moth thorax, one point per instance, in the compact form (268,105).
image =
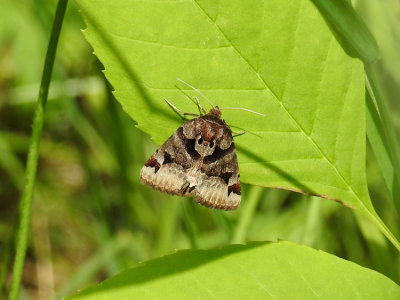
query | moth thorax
(204,147)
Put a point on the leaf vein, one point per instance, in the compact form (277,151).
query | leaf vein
(320,87)
(165,45)
(341,116)
(283,160)
(201,284)
(207,89)
(259,283)
(302,277)
(292,52)
(267,88)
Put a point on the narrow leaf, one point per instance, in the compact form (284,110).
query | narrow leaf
(349,28)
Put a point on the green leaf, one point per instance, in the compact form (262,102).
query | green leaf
(275,57)
(259,271)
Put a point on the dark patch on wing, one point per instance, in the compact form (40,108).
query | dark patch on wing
(153,163)
(189,147)
(235,189)
(167,158)
(225,176)
(218,154)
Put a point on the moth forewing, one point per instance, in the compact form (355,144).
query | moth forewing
(198,160)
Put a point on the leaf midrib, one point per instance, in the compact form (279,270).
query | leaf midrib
(267,88)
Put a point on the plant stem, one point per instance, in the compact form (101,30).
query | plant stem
(254,195)
(25,205)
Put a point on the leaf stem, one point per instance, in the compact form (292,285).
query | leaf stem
(25,205)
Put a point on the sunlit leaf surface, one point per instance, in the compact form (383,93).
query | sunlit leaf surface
(275,57)
(257,271)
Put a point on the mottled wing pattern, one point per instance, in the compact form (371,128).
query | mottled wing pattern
(220,188)
(198,160)
(166,169)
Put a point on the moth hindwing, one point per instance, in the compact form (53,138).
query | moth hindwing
(198,160)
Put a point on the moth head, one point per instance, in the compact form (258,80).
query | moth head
(204,147)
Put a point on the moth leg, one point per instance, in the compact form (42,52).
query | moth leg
(187,190)
(185,187)
(180,111)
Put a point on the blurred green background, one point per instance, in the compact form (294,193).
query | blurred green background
(92,218)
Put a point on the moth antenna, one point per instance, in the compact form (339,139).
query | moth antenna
(201,109)
(186,95)
(179,110)
(246,109)
(239,133)
(200,93)
(243,131)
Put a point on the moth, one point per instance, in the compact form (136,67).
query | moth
(198,160)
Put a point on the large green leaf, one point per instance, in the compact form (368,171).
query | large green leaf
(276,57)
(257,271)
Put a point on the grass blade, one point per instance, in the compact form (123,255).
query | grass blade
(25,205)
(387,135)
(246,214)
(379,146)
(349,29)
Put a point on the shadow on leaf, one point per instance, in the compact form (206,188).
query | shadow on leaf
(181,261)
(300,187)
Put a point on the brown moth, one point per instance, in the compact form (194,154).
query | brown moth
(198,160)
